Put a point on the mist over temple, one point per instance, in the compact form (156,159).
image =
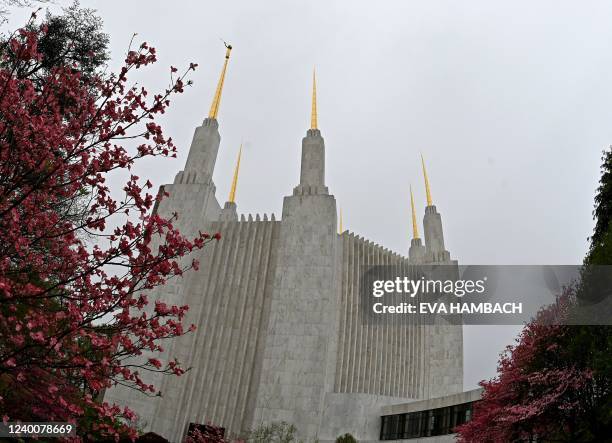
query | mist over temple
(276,304)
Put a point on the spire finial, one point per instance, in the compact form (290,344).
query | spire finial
(427,189)
(313,114)
(340,227)
(214,107)
(232,194)
(415,228)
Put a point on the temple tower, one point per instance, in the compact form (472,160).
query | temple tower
(191,204)
(298,362)
(443,336)
(193,190)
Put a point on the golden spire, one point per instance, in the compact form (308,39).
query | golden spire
(340,227)
(232,194)
(415,228)
(313,114)
(427,190)
(214,107)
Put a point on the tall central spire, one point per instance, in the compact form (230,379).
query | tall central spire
(415,228)
(232,194)
(313,113)
(427,189)
(312,174)
(214,107)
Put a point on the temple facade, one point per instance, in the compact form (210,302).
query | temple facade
(276,303)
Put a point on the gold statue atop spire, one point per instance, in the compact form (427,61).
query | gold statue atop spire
(340,227)
(232,194)
(313,114)
(214,107)
(415,228)
(427,189)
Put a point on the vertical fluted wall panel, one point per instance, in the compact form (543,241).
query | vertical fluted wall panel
(383,358)
(229,297)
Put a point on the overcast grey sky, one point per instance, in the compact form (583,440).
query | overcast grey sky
(508,101)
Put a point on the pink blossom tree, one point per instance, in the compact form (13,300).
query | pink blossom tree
(76,264)
(541,392)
